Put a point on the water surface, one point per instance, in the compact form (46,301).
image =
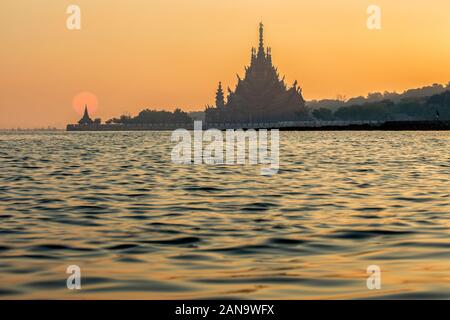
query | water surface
(141,227)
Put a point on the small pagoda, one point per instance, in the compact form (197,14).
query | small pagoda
(86,120)
(261,96)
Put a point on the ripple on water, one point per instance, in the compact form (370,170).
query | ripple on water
(366,234)
(141,227)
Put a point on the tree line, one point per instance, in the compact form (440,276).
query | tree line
(416,108)
(149,116)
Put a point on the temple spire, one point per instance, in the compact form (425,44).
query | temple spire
(86,120)
(86,112)
(220,100)
(261,40)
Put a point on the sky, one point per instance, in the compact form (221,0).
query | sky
(165,54)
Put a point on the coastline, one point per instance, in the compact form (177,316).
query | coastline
(436,125)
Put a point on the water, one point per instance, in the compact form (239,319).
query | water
(139,226)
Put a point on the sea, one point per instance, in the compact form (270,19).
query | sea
(135,225)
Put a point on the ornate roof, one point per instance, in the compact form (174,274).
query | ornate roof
(261,96)
(86,120)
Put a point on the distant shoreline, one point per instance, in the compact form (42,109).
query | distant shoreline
(282,126)
(31,129)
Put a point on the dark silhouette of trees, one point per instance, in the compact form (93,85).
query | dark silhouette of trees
(323,114)
(149,116)
(415,108)
(367,111)
(423,92)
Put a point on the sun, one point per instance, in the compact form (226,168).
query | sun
(85,99)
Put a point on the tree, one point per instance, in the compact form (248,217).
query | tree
(323,114)
(148,116)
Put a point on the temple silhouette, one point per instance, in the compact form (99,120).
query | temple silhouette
(263,101)
(86,120)
(261,96)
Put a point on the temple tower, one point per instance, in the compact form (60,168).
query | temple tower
(86,120)
(220,101)
(260,96)
(261,52)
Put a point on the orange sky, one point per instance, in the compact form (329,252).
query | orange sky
(168,53)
